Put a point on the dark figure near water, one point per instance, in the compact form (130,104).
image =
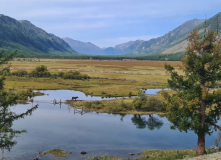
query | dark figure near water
(74,98)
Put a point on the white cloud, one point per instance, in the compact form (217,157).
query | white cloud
(79,26)
(92,9)
(115,18)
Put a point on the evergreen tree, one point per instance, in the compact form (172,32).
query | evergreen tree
(196,104)
(7,117)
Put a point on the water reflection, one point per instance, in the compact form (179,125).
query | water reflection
(151,122)
(7,133)
(59,126)
(152,91)
(63,95)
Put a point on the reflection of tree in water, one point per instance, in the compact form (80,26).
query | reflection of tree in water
(150,123)
(122,117)
(139,121)
(153,123)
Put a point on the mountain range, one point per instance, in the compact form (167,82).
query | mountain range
(29,39)
(164,44)
(90,48)
(174,41)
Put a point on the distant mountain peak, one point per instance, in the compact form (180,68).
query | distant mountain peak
(83,47)
(90,48)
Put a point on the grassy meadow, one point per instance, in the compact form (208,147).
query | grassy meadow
(115,79)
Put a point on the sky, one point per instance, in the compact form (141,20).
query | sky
(109,22)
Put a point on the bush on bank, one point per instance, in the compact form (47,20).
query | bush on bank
(43,72)
(147,104)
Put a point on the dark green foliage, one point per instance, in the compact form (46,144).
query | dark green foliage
(55,76)
(74,75)
(154,104)
(29,39)
(130,94)
(139,101)
(60,74)
(157,57)
(5,71)
(20,73)
(151,122)
(24,95)
(40,71)
(7,116)
(196,105)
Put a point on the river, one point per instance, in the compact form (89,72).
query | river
(54,126)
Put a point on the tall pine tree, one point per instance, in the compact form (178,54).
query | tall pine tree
(7,117)
(196,103)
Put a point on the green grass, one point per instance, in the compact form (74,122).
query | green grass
(56,152)
(157,155)
(117,106)
(94,87)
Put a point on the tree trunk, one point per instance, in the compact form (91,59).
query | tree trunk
(201,136)
(201,145)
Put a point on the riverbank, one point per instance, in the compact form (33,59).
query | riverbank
(121,106)
(214,156)
(122,90)
(166,155)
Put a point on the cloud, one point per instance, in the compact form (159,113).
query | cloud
(78,26)
(108,21)
(93,9)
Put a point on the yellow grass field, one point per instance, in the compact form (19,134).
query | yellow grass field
(145,67)
(115,79)
(133,74)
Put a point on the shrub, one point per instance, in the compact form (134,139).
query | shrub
(103,92)
(60,74)
(139,101)
(40,71)
(54,76)
(123,105)
(20,73)
(154,104)
(5,72)
(130,94)
(73,75)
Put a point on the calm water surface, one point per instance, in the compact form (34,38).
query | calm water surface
(64,95)
(152,91)
(55,126)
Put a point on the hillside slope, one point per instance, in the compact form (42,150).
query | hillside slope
(158,45)
(181,44)
(29,39)
(83,47)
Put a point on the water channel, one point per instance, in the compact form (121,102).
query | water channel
(54,126)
